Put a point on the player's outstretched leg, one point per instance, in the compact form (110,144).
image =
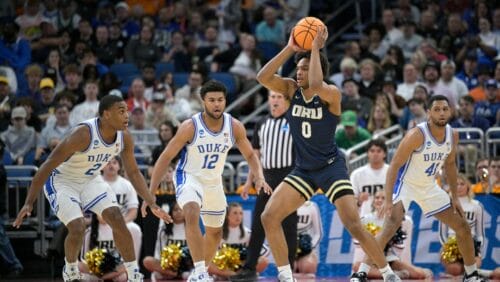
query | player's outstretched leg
(348,212)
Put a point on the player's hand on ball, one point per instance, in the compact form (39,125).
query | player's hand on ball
(25,211)
(262,184)
(320,39)
(292,44)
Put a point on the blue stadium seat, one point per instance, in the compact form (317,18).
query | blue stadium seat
(6,158)
(162,68)
(180,79)
(268,49)
(228,80)
(124,70)
(29,158)
(126,82)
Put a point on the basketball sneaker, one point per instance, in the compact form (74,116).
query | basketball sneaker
(203,277)
(392,278)
(72,275)
(359,277)
(474,277)
(286,279)
(137,277)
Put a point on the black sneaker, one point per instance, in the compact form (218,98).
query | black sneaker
(474,277)
(245,275)
(359,277)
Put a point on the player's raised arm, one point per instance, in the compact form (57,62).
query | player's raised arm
(240,136)
(77,140)
(411,142)
(268,76)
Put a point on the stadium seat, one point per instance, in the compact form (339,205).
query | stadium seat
(124,70)
(227,79)
(6,158)
(180,79)
(162,68)
(268,49)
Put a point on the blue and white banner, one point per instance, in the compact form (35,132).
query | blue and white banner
(336,249)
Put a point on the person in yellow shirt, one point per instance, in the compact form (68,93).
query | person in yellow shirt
(488,173)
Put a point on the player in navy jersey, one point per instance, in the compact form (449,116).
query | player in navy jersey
(313,116)
(203,142)
(70,175)
(411,176)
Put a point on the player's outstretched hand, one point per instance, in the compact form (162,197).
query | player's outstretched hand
(25,211)
(244,191)
(157,211)
(262,184)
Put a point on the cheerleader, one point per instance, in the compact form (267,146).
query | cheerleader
(167,234)
(310,231)
(236,235)
(398,255)
(474,215)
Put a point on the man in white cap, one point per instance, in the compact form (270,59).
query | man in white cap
(19,138)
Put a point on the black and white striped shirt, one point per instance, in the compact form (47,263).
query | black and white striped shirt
(272,137)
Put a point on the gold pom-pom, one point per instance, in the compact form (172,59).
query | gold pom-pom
(227,258)
(372,228)
(171,257)
(450,252)
(94,259)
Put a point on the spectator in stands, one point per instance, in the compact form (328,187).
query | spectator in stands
(19,139)
(30,21)
(393,101)
(406,115)
(157,112)
(466,118)
(485,177)
(468,74)
(30,107)
(474,43)
(88,108)
(375,33)
(248,62)
(67,18)
(351,100)
(117,40)
(405,10)
(429,49)
(52,134)
(84,33)
(49,39)
(10,262)
(431,73)
(179,107)
(148,75)
(106,52)
(427,27)
(379,119)
(191,90)
(392,63)
(410,41)
(271,28)
(474,213)
(34,74)
(15,52)
(392,32)
(483,75)
(351,134)
(6,102)
(236,235)
(410,77)
(496,75)
(138,123)
(73,78)
(141,51)
(348,69)
(418,112)
(453,40)
(173,233)
(166,131)
(89,58)
(136,95)
(54,61)
(495,175)
(107,83)
(309,224)
(490,108)
(448,80)
(368,85)
(486,35)
(126,23)
(47,93)
(178,53)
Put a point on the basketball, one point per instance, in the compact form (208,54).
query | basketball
(305,31)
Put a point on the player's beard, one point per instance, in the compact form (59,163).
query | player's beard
(212,115)
(439,123)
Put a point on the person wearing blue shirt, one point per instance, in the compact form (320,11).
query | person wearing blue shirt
(467,118)
(489,109)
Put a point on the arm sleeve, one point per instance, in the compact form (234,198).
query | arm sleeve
(317,226)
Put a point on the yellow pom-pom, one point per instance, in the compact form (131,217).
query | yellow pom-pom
(450,252)
(171,257)
(227,258)
(372,228)
(94,259)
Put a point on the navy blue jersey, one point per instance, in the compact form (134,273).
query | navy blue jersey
(313,130)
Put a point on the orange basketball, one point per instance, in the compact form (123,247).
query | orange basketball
(305,31)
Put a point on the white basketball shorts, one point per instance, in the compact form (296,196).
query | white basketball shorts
(432,199)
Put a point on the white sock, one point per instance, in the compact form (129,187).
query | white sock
(469,269)
(386,271)
(199,267)
(132,267)
(285,271)
(363,267)
(71,266)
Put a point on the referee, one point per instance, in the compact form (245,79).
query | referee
(272,142)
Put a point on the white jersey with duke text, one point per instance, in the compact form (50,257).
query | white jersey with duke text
(421,168)
(205,157)
(83,166)
(309,222)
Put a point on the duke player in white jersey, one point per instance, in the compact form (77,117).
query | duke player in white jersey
(203,142)
(423,151)
(309,222)
(474,214)
(72,186)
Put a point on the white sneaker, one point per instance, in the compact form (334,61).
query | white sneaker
(137,277)
(286,279)
(392,278)
(72,274)
(203,277)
